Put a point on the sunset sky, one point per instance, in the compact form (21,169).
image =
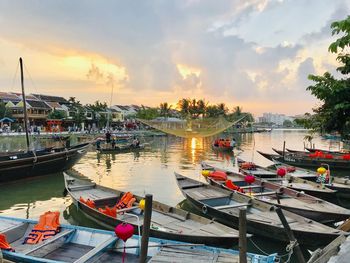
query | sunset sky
(251,53)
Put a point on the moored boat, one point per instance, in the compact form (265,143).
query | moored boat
(296,183)
(339,184)
(167,222)
(36,163)
(80,244)
(275,194)
(262,219)
(335,162)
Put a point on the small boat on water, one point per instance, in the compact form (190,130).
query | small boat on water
(293,182)
(311,161)
(326,154)
(223,205)
(223,145)
(339,184)
(80,244)
(327,151)
(30,163)
(121,149)
(167,222)
(275,194)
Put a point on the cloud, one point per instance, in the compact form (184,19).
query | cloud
(240,52)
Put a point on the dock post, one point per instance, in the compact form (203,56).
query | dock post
(242,245)
(284,148)
(146,228)
(290,235)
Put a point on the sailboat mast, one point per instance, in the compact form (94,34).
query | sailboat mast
(24,104)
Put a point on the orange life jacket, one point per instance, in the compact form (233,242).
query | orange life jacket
(127,200)
(88,202)
(218,175)
(4,244)
(47,226)
(231,185)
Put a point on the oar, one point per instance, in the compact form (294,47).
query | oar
(166,245)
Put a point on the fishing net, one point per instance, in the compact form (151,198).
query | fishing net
(189,128)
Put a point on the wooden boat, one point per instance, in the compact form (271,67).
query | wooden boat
(167,222)
(121,149)
(307,161)
(326,151)
(298,184)
(223,205)
(80,244)
(288,199)
(339,184)
(36,163)
(303,153)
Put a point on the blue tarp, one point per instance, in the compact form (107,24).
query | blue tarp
(6,119)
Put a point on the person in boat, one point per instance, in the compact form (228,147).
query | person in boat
(135,143)
(233,143)
(113,143)
(216,143)
(98,144)
(108,136)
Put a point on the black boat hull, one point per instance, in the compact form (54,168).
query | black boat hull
(310,239)
(41,164)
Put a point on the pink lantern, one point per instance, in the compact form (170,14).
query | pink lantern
(124,231)
(281,172)
(249,179)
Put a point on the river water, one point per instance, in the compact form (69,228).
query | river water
(149,171)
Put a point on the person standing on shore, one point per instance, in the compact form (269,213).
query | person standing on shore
(108,137)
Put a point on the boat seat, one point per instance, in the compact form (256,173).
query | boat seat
(96,250)
(50,240)
(251,187)
(81,187)
(192,186)
(220,207)
(265,193)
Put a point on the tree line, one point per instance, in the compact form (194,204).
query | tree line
(187,108)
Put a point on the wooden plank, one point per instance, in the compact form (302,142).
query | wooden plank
(96,250)
(220,207)
(50,240)
(345,226)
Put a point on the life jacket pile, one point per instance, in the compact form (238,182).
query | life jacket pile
(88,202)
(126,201)
(47,227)
(218,176)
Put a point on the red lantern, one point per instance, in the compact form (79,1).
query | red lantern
(281,172)
(249,179)
(124,231)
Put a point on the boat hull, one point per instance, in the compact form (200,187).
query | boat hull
(42,164)
(310,239)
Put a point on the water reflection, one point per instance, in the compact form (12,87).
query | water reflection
(149,171)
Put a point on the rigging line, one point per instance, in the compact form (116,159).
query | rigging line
(31,79)
(14,76)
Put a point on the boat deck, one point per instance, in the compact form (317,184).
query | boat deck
(180,255)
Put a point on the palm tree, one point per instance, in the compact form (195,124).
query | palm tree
(222,108)
(165,109)
(201,107)
(184,106)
